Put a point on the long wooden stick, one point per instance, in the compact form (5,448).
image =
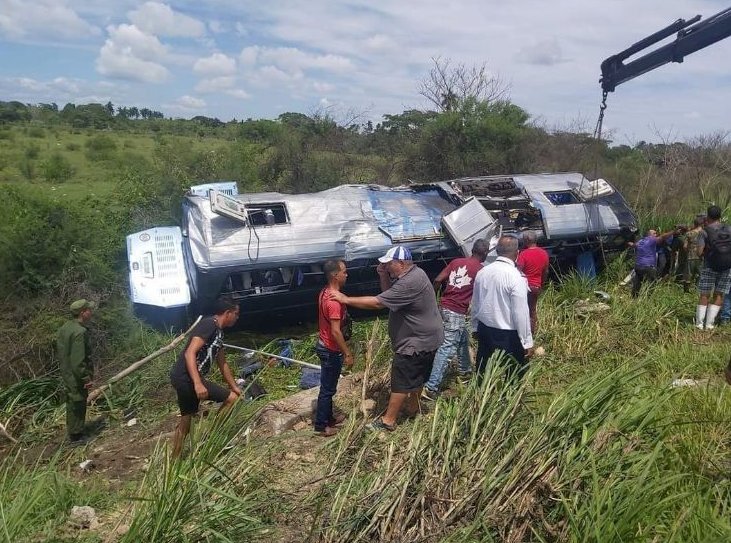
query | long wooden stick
(94,394)
(4,432)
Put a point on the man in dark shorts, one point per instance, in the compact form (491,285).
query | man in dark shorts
(193,364)
(331,348)
(414,326)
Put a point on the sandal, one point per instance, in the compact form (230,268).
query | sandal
(378,426)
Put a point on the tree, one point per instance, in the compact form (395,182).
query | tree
(447,86)
(110,108)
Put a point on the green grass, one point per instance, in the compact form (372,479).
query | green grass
(596,445)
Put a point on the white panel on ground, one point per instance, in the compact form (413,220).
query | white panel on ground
(156,267)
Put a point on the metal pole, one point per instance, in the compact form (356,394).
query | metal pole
(306,364)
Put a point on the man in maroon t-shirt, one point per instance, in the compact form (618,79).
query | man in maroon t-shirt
(459,276)
(331,348)
(533,262)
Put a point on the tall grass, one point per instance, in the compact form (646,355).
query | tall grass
(34,500)
(597,465)
(212,494)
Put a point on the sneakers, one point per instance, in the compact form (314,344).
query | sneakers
(429,395)
(379,426)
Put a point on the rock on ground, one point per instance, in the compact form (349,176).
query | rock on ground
(83,516)
(284,414)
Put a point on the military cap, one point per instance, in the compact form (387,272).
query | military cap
(79,305)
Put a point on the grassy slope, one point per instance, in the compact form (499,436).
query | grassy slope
(596,447)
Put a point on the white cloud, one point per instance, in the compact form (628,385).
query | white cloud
(249,55)
(293,60)
(161,19)
(241,29)
(215,84)
(190,102)
(322,87)
(58,89)
(271,76)
(217,27)
(129,53)
(542,53)
(216,64)
(238,93)
(380,43)
(48,18)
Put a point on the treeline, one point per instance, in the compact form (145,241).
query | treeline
(77,116)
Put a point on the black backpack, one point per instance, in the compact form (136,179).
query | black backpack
(718,247)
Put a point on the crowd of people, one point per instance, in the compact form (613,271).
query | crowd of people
(698,255)
(500,299)
(429,323)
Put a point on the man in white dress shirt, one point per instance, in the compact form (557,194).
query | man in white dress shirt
(500,315)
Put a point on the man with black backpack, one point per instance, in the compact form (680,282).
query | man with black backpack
(714,244)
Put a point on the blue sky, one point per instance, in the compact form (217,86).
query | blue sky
(359,59)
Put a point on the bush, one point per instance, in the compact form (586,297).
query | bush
(46,243)
(28,168)
(36,132)
(56,168)
(72,146)
(100,147)
(32,151)
(7,135)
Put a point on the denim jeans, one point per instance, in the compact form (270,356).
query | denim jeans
(725,314)
(456,340)
(331,363)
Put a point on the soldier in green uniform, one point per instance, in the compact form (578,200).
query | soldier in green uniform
(76,369)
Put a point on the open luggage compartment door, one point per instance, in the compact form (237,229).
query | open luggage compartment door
(468,223)
(157,274)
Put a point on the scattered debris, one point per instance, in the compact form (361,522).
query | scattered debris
(131,422)
(83,516)
(86,465)
(603,295)
(586,307)
(688,383)
(539,351)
